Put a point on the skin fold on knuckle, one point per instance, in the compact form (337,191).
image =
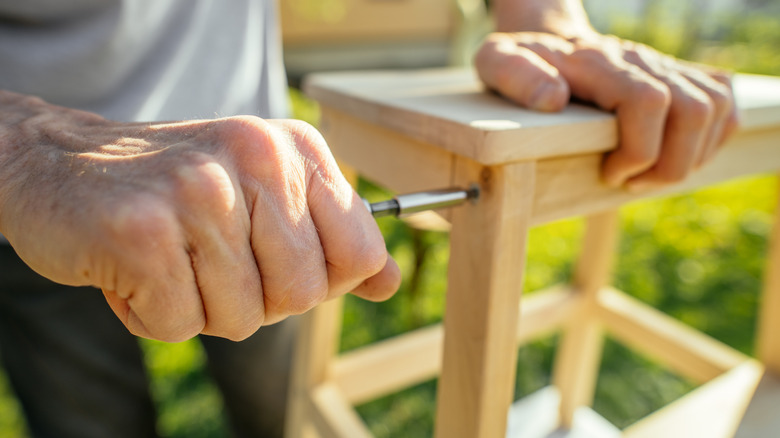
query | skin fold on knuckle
(725,112)
(381,286)
(496,63)
(696,108)
(649,95)
(165,323)
(365,256)
(722,98)
(306,288)
(236,331)
(203,190)
(628,162)
(731,125)
(485,57)
(253,145)
(669,173)
(293,271)
(640,158)
(140,225)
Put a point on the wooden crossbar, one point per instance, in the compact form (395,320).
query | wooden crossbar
(333,414)
(684,349)
(384,367)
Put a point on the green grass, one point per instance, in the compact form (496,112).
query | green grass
(697,257)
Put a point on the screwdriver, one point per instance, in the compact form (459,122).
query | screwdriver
(409,203)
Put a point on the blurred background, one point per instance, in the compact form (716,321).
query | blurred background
(698,257)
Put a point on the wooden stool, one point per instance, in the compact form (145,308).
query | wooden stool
(430,129)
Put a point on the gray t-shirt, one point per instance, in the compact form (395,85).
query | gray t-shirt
(146,60)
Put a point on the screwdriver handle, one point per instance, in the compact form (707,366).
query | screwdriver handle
(409,203)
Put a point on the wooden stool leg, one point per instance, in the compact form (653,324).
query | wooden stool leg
(579,354)
(315,348)
(768,341)
(487,259)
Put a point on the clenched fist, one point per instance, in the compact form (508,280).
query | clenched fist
(213,226)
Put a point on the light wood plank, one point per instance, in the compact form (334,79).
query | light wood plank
(758,100)
(768,337)
(334,416)
(429,220)
(356,21)
(645,329)
(387,366)
(450,108)
(384,367)
(386,157)
(484,286)
(717,409)
(545,311)
(571,186)
(579,354)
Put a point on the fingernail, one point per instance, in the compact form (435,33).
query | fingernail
(545,97)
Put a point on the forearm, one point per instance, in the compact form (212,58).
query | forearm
(563,17)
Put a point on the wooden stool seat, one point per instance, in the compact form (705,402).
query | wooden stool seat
(421,130)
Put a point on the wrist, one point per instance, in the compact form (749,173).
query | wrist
(28,147)
(566,18)
(14,110)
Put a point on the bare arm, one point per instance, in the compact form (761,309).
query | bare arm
(566,18)
(672,115)
(214,226)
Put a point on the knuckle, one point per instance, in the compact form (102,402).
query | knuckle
(307,139)
(366,257)
(174,314)
(722,99)
(639,157)
(252,138)
(140,223)
(32,101)
(589,54)
(493,44)
(671,175)
(732,122)
(243,124)
(651,95)
(485,53)
(183,331)
(242,332)
(203,183)
(699,110)
(309,290)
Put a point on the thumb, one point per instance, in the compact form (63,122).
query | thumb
(521,75)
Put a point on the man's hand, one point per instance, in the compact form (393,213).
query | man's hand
(672,115)
(213,227)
